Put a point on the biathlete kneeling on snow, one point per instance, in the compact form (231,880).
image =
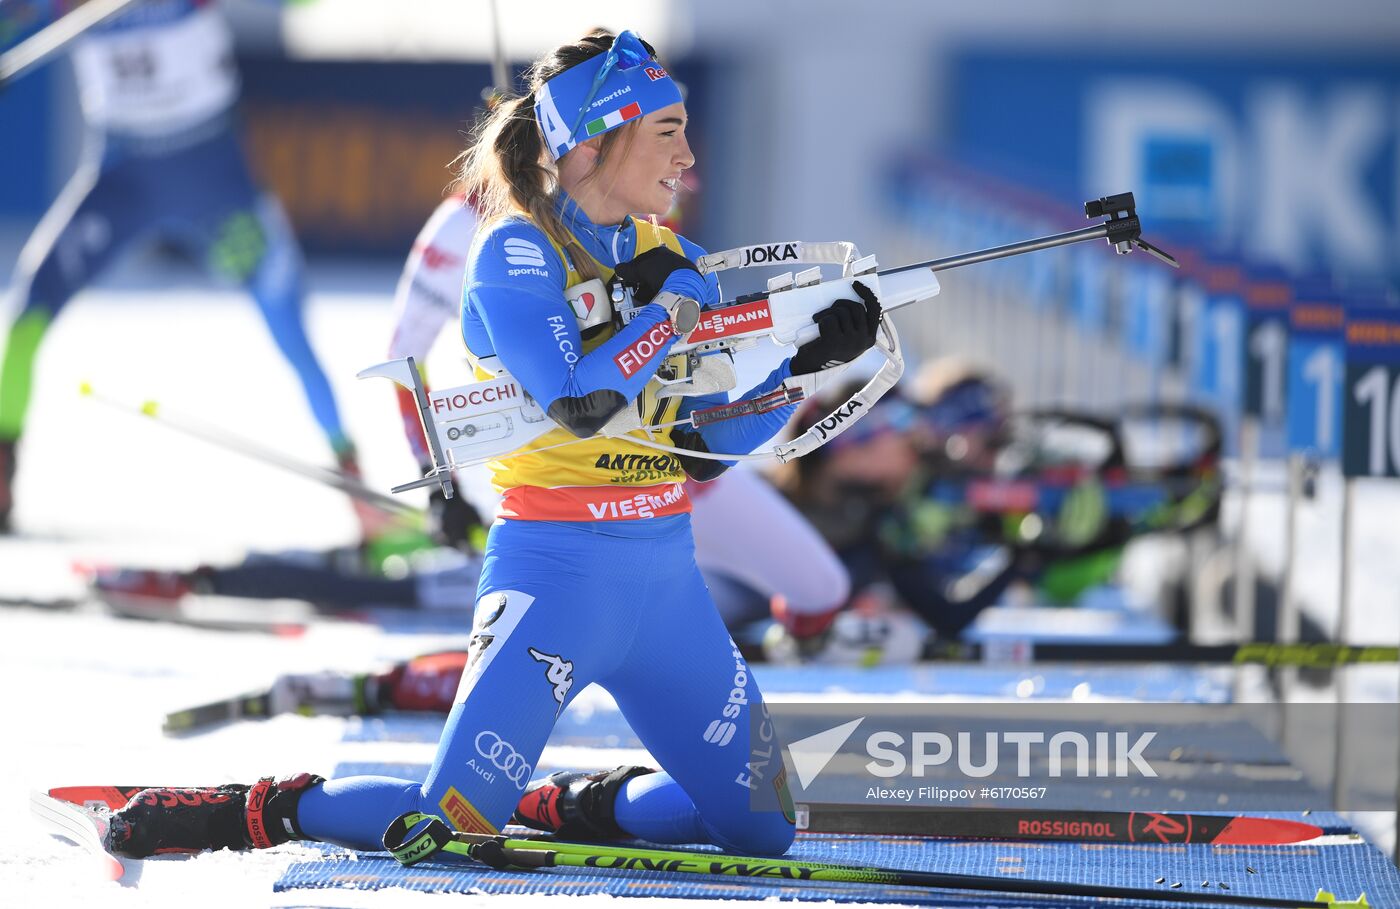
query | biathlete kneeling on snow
(586,579)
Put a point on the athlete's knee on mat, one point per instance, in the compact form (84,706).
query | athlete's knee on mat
(759,831)
(760,821)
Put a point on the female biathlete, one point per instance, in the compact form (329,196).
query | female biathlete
(161,158)
(757,552)
(585,579)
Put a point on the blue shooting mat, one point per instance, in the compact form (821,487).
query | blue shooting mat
(1345,868)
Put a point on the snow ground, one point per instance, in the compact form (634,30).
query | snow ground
(98,720)
(86,693)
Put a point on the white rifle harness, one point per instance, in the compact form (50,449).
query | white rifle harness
(482,421)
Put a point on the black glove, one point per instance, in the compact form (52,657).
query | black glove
(847,330)
(451,521)
(646,273)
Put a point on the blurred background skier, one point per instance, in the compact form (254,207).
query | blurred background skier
(161,160)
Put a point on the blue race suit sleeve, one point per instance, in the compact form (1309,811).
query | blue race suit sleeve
(742,435)
(514,307)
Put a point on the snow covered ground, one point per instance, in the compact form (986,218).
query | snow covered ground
(84,694)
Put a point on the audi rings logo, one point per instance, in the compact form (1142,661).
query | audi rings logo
(501,753)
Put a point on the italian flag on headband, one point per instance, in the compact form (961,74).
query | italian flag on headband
(569,108)
(612,119)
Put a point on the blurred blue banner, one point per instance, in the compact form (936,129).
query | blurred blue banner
(1283,159)
(1371,398)
(1315,359)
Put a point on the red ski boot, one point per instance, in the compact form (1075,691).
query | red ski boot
(232,816)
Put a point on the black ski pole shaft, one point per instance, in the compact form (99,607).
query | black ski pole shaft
(414,837)
(544,854)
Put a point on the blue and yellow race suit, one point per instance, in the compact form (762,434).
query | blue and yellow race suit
(590,575)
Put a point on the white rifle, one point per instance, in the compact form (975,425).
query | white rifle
(474,423)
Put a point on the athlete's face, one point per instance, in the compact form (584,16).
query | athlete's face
(643,174)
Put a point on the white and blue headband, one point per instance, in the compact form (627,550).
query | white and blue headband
(602,93)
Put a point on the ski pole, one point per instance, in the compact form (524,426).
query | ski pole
(55,36)
(415,837)
(231,442)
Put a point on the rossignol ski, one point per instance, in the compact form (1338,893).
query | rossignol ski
(80,823)
(1053,826)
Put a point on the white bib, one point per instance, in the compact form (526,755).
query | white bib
(158,79)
